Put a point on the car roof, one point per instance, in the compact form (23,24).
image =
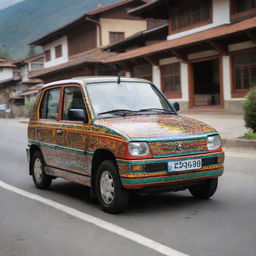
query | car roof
(93,79)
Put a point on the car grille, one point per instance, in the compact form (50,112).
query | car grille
(178,147)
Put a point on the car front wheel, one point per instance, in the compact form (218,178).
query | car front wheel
(205,189)
(111,195)
(40,178)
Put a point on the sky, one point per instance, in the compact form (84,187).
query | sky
(6,3)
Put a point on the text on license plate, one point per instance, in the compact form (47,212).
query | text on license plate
(184,165)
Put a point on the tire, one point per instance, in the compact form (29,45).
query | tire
(204,190)
(40,178)
(113,198)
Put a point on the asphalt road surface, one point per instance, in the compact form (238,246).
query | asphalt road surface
(65,221)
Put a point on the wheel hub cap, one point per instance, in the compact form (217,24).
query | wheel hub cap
(107,187)
(38,171)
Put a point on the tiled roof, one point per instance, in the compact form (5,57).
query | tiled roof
(91,56)
(214,33)
(29,59)
(6,63)
(138,35)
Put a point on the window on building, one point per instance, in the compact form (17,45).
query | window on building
(187,16)
(50,104)
(115,37)
(143,71)
(58,51)
(47,55)
(242,5)
(73,99)
(170,79)
(244,71)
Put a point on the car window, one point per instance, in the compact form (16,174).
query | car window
(49,105)
(73,99)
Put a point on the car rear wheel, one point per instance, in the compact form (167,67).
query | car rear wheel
(205,189)
(111,195)
(40,178)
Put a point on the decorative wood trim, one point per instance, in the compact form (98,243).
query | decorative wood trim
(219,47)
(152,61)
(180,55)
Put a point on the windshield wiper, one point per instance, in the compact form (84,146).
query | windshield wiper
(122,112)
(160,110)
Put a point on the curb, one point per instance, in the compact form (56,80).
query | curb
(240,143)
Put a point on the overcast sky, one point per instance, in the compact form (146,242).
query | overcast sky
(6,3)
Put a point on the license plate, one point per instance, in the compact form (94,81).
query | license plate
(184,165)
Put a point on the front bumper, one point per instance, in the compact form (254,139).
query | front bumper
(139,174)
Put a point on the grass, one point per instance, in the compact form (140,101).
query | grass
(250,135)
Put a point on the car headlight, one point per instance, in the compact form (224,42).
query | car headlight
(138,148)
(213,142)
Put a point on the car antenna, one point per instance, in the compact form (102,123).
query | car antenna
(118,77)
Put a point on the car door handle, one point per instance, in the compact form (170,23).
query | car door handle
(59,131)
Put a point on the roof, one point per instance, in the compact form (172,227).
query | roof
(142,35)
(214,33)
(29,59)
(111,6)
(92,56)
(156,9)
(94,79)
(6,63)
(58,32)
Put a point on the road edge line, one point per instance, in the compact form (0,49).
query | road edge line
(135,237)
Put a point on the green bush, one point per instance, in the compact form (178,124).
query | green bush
(250,109)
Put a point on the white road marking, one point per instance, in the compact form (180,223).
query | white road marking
(160,248)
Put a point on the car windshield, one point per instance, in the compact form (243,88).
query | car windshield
(126,98)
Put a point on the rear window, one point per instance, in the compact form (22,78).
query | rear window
(50,104)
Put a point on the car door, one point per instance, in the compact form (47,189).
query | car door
(72,134)
(48,124)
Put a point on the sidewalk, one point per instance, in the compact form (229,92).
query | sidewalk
(231,129)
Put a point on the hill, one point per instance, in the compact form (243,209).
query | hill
(28,20)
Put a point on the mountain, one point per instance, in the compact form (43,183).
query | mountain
(30,19)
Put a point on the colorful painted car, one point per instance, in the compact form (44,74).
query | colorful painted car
(118,135)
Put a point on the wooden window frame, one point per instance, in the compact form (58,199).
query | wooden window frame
(47,55)
(116,32)
(58,51)
(238,93)
(236,15)
(172,94)
(192,26)
(142,76)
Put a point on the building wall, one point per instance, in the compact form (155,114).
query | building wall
(56,61)
(5,73)
(220,16)
(129,27)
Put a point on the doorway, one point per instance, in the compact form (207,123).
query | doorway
(206,78)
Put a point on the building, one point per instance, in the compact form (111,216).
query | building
(208,60)
(14,82)
(76,48)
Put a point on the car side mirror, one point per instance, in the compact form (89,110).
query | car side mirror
(77,115)
(176,106)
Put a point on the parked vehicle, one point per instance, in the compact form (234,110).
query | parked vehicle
(118,135)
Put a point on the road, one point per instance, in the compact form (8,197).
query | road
(31,225)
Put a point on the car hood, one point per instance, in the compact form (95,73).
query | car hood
(155,127)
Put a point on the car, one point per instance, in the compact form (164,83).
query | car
(119,135)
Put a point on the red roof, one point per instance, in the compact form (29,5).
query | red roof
(111,6)
(92,56)
(214,33)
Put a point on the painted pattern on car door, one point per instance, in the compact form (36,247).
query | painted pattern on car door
(72,135)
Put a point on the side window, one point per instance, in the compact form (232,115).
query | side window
(49,105)
(73,99)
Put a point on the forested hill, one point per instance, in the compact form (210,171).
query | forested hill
(28,20)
